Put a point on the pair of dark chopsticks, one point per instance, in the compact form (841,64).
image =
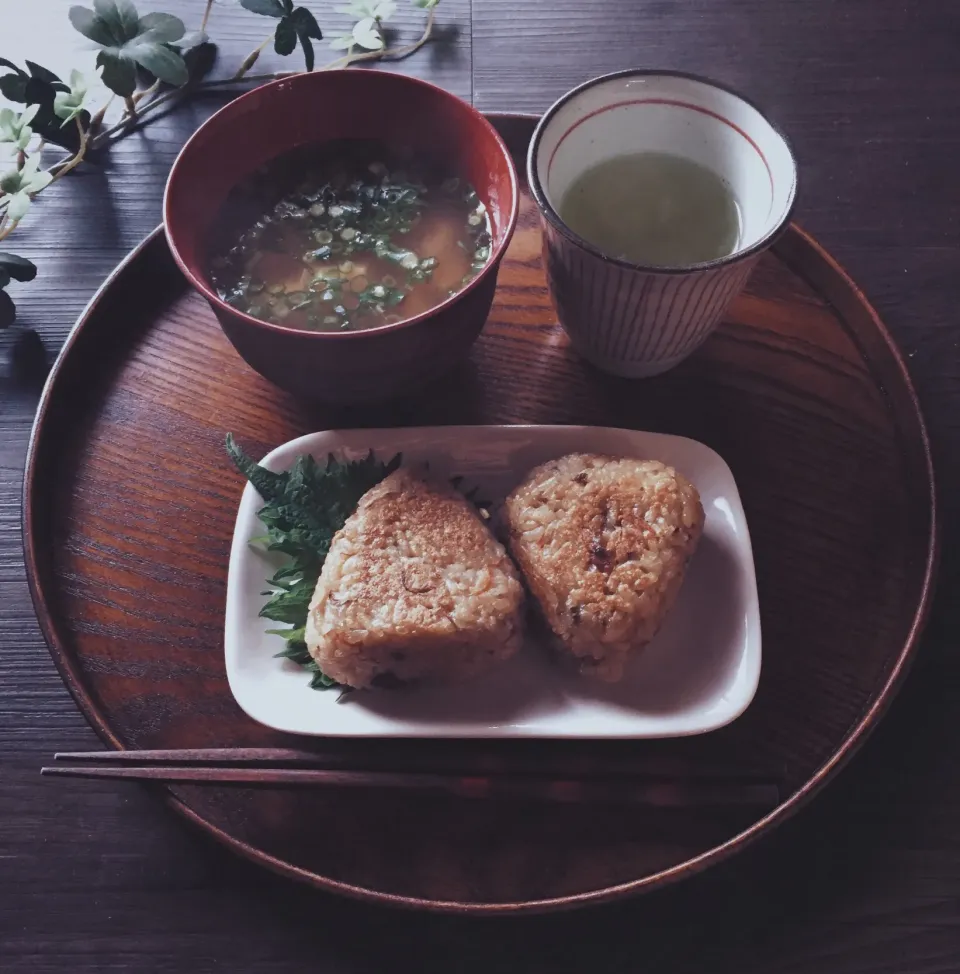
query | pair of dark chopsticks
(281,767)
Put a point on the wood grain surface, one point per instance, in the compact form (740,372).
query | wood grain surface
(129,528)
(867,879)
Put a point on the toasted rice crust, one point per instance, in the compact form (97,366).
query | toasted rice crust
(415,586)
(603,543)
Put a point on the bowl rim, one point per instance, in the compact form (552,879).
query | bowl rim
(551,215)
(219,304)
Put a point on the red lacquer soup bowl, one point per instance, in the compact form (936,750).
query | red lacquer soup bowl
(310,109)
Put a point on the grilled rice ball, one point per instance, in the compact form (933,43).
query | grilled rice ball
(414,587)
(603,543)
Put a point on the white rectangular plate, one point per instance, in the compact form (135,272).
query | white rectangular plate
(699,673)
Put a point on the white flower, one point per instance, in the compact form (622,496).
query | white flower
(16,128)
(69,104)
(367,34)
(19,185)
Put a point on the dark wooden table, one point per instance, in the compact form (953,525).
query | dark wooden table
(95,877)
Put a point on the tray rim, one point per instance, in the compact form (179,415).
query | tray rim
(844,288)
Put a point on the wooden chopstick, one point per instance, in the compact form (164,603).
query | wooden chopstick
(247,756)
(461,760)
(280,767)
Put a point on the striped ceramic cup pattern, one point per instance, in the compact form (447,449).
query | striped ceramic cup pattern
(634,323)
(636,320)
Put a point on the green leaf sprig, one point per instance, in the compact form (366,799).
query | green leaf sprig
(127,40)
(295,24)
(15,268)
(130,48)
(12,268)
(39,87)
(304,507)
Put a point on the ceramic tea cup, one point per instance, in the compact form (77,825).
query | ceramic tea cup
(628,318)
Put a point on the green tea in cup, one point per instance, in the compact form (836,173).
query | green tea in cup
(653,208)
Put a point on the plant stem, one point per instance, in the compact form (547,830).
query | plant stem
(78,158)
(206,15)
(5,231)
(140,95)
(394,54)
(64,166)
(223,82)
(390,54)
(251,59)
(105,136)
(97,120)
(57,171)
(89,141)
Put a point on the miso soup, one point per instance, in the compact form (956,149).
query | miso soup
(347,235)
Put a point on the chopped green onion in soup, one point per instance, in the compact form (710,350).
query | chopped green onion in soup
(339,236)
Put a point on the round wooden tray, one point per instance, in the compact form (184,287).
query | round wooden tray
(130,501)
